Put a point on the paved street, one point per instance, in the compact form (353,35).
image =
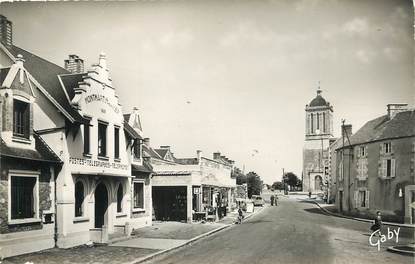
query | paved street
(293,232)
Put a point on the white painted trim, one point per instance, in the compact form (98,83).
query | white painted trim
(23,173)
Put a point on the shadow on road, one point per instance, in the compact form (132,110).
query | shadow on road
(315,211)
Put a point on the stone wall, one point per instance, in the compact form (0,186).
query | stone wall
(44,192)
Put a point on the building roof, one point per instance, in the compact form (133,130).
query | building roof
(41,153)
(161,152)
(188,161)
(146,167)
(70,82)
(383,128)
(318,101)
(3,74)
(46,73)
(130,131)
(171,173)
(150,152)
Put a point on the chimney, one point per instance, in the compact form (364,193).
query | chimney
(216,155)
(347,130)
(74,64)
(6,31)
(147,142)
(393,109)
(199,155)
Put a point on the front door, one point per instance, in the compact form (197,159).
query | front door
(341,201)
(101,205)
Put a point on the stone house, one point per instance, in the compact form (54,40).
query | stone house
(375,168)
(28,166)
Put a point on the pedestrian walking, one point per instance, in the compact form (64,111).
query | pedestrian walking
(276,200)
(378,223)
(272,200)
(309,194)
(240,215)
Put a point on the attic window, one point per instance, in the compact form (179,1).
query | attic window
(21,116)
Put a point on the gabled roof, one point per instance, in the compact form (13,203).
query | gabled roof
(383,128)
(41,153)
(161,152)
(149,152)
(130,131)
(46,73)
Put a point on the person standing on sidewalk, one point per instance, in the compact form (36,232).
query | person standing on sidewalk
(378,223)
(276,200)
(272,200)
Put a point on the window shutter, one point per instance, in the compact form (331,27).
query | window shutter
(356,193)
(384,167)
(393,167)
(358,152)
(367,199)
(381,148)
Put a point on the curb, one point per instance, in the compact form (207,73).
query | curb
(360,219)
(401,251)
(156,254)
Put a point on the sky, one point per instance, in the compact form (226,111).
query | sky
(234,76)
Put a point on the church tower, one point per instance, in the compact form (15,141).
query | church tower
(318,134)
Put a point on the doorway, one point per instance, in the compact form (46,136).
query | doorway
(341,201)
(318,183)
(170,203)
(101,205)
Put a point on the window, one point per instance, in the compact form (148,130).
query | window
(79,199)
(102,139)
(340,172)
(324,122)
(21,119)
(387,147)
(23,195)
(138,195)
(388,168)
(312,123)
(87,149)
(116,142)
(362,151)
(120,194)
(318,121)
(136,149)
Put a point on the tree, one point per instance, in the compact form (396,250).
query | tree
(254,183)
(291,180)
(240,177)
(278,185)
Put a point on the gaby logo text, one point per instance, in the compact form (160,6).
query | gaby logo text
(375,240)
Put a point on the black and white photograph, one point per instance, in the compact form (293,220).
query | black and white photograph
(207,132)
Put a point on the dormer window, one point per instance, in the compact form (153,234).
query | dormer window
(21,119)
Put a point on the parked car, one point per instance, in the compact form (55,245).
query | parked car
(257,200)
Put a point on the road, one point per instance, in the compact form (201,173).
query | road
(292,232)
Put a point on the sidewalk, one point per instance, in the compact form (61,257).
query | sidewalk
(326,208)
(145,243)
